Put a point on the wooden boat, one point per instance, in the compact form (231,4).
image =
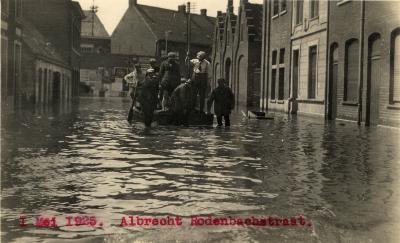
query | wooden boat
(196,118)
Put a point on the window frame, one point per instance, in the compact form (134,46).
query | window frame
(312,96)
(314,9)
(392,99)
(346,71)
(301,19)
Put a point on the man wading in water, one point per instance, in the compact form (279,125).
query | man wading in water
(147,95)
(224,102)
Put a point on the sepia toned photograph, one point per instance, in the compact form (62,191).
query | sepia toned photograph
(200,121)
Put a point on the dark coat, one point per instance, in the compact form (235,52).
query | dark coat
(147,92)
(170,75)
(224,101)
(181,98)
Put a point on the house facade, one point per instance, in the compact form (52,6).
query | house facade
(364,62)
(161,31)
(236,51)
(279,55)
(52,19)
(309,59)
(11,53)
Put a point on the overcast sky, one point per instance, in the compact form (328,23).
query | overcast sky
(111,11)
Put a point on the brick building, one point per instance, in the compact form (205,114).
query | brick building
(161,29)
(236,51)
(222,52)
(278,56)
(95,50)
(60,23)
(45,75)
(366,91)
(11,53)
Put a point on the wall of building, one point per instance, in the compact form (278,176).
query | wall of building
(280,25)
(386,111)
(61,25)
(144,43)
(311,32)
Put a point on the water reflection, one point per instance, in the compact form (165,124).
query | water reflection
(88,160)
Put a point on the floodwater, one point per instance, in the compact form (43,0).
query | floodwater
(87,160)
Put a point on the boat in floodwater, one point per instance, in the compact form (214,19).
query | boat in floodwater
(196,118)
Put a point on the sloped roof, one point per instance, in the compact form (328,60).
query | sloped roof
(161,20)
(39,45)
(98,28)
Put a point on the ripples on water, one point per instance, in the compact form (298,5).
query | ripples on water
(88,160)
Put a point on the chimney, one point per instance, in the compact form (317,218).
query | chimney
(230,6)
(203,12)
(132,3)
(182,8)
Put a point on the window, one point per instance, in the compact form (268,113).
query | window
(299,12)
(4,6)
(395,68)
(17,67)
(276,7)
(274,56)
(312,72)
(281,91)
(241,31)
(86,49)
(351,71)
(40,78)
(4,65)
(283,5)
(314,10)
(273,84)
(18,8)
(282,56)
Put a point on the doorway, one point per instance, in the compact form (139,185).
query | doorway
(295,82)
(333,78)
(373,80)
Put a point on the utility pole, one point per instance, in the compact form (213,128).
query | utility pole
(166,40)
(94,10)
(188,38)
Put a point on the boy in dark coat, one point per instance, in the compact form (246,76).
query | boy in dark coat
(181,102)
(224,102)
(170,76)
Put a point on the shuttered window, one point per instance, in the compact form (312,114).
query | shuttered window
(273,84)
(314,8)
(281,93)
(312,72)
(299,12)
(276,7)
(351,72)
(396,68)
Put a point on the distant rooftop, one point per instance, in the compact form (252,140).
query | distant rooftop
(92,27)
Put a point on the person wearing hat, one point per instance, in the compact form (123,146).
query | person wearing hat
(153,65)
(201,76)
(224,102)
(147,95)
(181,102)
(170,76)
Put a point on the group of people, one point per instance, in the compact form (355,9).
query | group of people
(164,87)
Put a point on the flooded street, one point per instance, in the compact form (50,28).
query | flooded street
(88,160)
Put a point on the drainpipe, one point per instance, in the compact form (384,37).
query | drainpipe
(361,62)
(268,20)
(264,40)
(327,67)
